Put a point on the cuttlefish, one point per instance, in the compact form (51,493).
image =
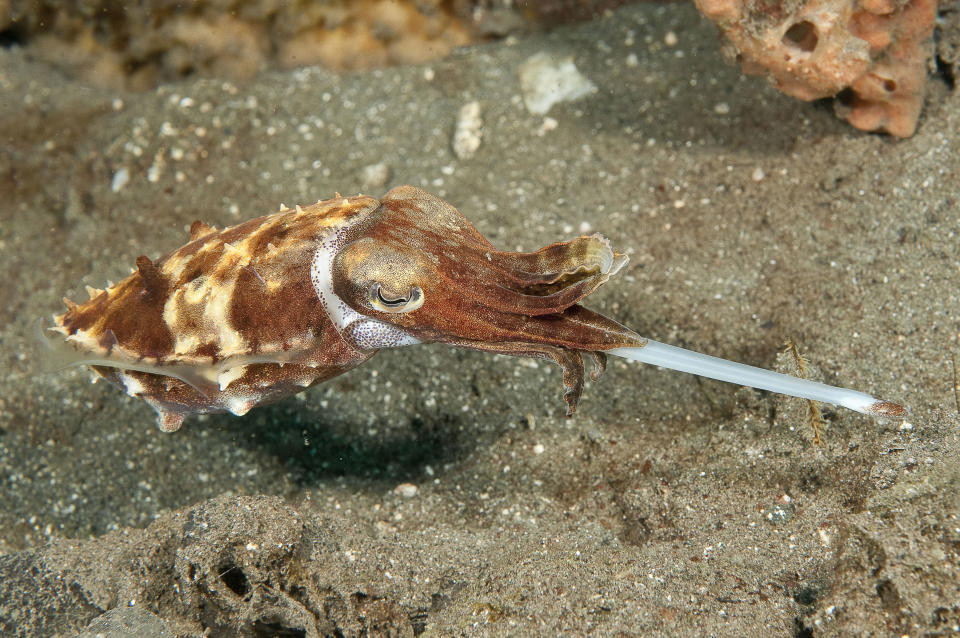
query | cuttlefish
(256,312)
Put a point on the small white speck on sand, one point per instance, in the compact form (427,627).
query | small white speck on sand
(406,490)
(468,131)
(546,126)
(120,179)
(156,169)
(375,175)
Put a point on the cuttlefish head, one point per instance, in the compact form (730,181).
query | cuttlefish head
(416,271)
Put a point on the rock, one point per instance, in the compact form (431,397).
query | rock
(546,79)
(121,622)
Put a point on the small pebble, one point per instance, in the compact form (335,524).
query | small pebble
(120,179)
(406,490)
(547,125)
(757,174)
(375,176)
(468,131)
(670,39)
(546,79)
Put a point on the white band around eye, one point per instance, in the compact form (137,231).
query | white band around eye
(356,329)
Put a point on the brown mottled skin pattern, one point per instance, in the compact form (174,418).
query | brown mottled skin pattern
(133,310)
(239,302)
(270,320)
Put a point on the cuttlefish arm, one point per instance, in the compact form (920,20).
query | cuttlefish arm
(417,264)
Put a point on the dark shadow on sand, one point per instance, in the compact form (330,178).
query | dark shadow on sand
(315,450)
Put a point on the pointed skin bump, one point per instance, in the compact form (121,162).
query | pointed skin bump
(199,230)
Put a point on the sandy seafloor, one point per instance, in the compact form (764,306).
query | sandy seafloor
(667,506)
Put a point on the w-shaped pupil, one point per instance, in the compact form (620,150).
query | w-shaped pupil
(398,301)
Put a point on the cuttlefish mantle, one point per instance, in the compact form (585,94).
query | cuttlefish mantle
(250,314)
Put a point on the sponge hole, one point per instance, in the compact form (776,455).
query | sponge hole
(802,36)
(234,578)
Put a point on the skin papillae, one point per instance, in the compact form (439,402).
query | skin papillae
(256,312)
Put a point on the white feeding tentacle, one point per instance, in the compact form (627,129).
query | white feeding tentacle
(674,358)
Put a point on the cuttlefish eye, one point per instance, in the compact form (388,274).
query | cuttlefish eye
(395,304)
